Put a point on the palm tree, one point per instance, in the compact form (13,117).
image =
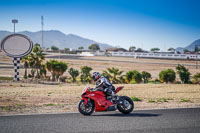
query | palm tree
(114,74)
(26,65)
(31,61)
(43,71)
(35,60)
(107,74)
(39,57)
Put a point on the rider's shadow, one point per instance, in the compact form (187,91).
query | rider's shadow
(129,115)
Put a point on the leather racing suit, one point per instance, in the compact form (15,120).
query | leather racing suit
(104,84)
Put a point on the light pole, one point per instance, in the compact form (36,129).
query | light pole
(14,21)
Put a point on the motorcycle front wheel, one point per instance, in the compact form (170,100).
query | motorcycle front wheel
(126,105)
(86,109)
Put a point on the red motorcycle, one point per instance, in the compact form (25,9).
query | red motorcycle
(98,101)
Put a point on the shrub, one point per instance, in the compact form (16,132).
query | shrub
(133,76)
(57,68)
(167,76)
(196,78)
(85,74)
(122,79)
(43,71)
(184,74)
(74,73)
(129,76)
(62,78)
(146,76)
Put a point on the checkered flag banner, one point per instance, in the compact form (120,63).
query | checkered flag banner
(16,62)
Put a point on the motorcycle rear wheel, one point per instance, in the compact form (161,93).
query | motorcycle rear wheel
(127,105)
(86,110)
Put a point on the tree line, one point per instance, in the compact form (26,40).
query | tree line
(92,47)
(39,69)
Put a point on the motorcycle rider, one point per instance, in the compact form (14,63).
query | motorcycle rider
(103,84)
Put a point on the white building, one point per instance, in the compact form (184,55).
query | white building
(87,54)
(157,55)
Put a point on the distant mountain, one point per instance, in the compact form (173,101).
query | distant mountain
(190,47)
(59,39)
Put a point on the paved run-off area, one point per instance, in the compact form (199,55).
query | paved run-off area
(151,121)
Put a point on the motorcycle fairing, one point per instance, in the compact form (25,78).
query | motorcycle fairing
(101,104)
(119,89)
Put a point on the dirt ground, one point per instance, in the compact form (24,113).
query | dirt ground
(27,97)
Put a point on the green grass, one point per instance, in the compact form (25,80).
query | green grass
(8,100)
(151,101)
(6,108)
(22,86)
(11,108)
(20,105)
(136,99)
(162,100)
(185,100)
(6,78)
(159,100)
(52,104)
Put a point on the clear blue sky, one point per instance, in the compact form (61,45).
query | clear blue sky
(141,23)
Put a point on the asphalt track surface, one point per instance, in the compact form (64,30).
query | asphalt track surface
(146,121)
